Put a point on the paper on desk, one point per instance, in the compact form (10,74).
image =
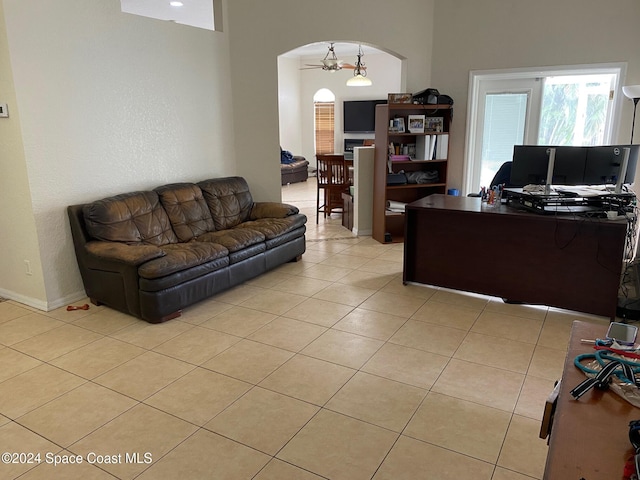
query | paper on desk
(582,191)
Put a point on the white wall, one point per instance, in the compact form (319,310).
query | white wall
(108,102)
(289,104)
(499,34)
(17,223)
(260,31)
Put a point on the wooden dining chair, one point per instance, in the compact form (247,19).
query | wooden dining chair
(333,180)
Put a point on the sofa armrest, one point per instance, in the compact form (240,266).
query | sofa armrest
(272,210)
(123,253)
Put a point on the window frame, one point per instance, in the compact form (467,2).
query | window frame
(476,77)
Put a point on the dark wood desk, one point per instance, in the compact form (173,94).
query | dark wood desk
(561,261)
(590,436)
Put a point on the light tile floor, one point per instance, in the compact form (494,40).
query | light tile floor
(324,368)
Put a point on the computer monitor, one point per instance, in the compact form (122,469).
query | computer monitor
(603,164)
(570,165)
(530,165)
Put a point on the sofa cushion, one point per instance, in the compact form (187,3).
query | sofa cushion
(234,239)
(181,256)
(131,217)
(127,253)
(187,210)
(273,227)
(252,251)
(229,200)
(286,237)
(178,279)
(272,210)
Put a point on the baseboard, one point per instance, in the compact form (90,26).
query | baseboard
(362,233)
(66,300)
(29,301)
(40,304)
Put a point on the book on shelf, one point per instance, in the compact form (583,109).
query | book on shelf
(432,147)
(442,148)
(425,147)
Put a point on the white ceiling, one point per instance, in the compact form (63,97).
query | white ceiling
(197,13)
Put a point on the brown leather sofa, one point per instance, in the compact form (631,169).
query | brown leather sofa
(297,171)
(152,253)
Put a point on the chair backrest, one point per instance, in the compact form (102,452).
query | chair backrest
(502,176)
(332,170)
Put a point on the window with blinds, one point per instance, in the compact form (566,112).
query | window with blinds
(504,123)
(324,121)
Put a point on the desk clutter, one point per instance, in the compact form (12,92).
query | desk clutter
(614,366)
(597,415)
(588,201)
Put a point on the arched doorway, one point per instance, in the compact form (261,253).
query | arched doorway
(297,85)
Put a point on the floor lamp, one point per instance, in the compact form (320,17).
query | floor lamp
(632,92)
(629,304)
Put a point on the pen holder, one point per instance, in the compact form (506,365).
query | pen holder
(494,198)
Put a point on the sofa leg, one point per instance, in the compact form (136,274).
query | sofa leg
(171,316)
(95,302)
(296,259)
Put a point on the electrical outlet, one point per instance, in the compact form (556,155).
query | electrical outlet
(4,110)
(27,268)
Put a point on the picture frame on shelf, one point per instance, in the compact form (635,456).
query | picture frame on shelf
(411,151)
(433,124)
(397,125)
(416,123)
(399,98)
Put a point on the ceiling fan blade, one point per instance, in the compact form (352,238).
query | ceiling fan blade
(352,67)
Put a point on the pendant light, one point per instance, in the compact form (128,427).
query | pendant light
(359,78)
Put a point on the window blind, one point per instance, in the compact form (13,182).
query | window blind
(324,121)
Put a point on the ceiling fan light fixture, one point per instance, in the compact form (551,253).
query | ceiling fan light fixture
(359,73)
(330,61)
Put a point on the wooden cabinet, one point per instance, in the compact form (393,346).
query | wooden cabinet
(347,211)
(388,226)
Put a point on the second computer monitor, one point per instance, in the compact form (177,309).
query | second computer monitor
(603,164)
(530,164)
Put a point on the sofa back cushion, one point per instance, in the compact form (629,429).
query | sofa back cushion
(187,210)
(229,200)
(130,217)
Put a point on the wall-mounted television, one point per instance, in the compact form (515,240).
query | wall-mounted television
(359,116)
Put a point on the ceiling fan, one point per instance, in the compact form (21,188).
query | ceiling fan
(330,62)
